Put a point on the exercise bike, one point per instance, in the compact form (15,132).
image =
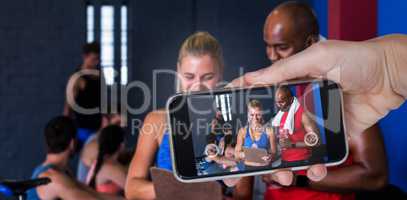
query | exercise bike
(10,188)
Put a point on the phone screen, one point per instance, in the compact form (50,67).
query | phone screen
(231,132)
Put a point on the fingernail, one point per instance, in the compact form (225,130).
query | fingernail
(317,172)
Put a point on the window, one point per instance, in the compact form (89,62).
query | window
(123,69)
(107,24)
(223,105)
(90,13)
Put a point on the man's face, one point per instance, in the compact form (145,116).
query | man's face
(281,39)
(283,101)
(91,60)
(219,115)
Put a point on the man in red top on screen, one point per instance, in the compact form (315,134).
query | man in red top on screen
(293,126)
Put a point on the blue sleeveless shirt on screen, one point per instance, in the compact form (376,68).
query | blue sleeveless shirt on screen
(262,143)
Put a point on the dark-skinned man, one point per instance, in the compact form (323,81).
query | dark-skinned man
(292,129)
(290,28)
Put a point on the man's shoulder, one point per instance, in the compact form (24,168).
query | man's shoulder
(49,191)
(41,169)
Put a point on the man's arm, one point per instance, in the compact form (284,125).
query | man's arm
(309,126)
(368,171)
(272,140)
(74,85)
(64,187)
(244,189)
(239,144)
(47,191)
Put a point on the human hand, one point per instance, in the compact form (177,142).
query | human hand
(59,180)
(267,158)
(367,72)
(284,143)
(240,155)
(285,177)
(370,74)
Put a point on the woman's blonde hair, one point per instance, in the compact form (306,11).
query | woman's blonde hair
(200,44)
(254,103)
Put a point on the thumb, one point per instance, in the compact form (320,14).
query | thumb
(317,172)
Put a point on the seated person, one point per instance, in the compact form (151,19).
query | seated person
(90,150)
(107,175)
(255,134)
(223,154)
(199,67)
(212,149)
(228,159)
(294,128)
(60,135)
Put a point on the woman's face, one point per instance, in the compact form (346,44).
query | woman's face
(198,73)
(255,116)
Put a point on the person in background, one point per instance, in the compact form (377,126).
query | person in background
(217,126)
(83,91)
(221,153)
(107,174)
(60,140)
(90,150)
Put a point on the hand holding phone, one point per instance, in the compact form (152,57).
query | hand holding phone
(269,128)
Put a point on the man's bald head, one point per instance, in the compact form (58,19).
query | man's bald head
(299,16)
(290,28)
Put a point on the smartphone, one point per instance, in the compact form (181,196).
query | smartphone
(230,133)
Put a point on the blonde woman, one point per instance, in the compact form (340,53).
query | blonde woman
(199,67)
(255,134)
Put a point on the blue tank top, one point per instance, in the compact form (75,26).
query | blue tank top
(32,194)
(262,143)
(163,155)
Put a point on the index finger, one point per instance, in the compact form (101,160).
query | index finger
(311,62)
